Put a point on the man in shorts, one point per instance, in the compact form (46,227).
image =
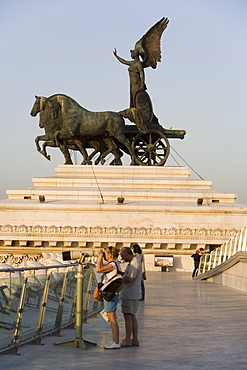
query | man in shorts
(131,295)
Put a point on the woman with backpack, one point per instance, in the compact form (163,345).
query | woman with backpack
(110,269)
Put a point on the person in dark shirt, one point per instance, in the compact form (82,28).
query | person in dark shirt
(196,257)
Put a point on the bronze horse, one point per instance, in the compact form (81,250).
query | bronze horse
(68,125)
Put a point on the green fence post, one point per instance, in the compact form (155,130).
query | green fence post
(78,341)
(15,341)
(58,321)
(41,318)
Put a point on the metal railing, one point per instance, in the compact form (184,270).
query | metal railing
(238,243)
(36,301)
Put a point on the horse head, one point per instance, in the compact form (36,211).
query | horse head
(38,105)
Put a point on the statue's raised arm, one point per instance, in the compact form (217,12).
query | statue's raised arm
(121,60)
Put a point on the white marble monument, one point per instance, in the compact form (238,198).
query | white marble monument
(163,210)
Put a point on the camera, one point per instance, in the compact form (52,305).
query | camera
(73,255)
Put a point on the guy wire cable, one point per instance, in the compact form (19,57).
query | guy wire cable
(116,167)
(102,199)
(187,164)
(174,159)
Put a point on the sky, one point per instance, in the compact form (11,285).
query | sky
(66,46)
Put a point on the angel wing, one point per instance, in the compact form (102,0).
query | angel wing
(149,45)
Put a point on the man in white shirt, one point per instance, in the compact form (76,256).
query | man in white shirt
(131,295)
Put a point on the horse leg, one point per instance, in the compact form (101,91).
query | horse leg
(117,160)
(45,144)
(99,147)
(112,148)
(61,143)
(38,139)
(64,149)
(83,152)
(96,145)
(116,127)
(122,138)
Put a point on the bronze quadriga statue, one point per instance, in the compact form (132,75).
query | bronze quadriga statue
(67,125)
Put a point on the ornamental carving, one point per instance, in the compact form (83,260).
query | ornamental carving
(52,229)
(67,230)
(126,230)
(172,231)
(201,232)
(111,230)
(34,258)
(81,230)
(97,230)
(217,232)
(156,231)
(116,232)
(37,229)
(16,260)
(3,259)
(186,232)
(231,232)
(22,229)
(141,231)
(7,229)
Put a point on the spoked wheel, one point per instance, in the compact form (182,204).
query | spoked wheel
(151,149)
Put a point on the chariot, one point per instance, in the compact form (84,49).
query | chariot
(152,148)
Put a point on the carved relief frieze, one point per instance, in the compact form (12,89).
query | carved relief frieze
(3,259)
(81,230)
(172,231)
(202,232)
(217,232)
(16,260)
(97,230)
(156,231)
(112,230)
(22,229)
(34,258)
(7,229)
(37,229)
(186,232)
(67,229)
(52,229)
(231,232)
(141,231)
(116,232)
(126,230)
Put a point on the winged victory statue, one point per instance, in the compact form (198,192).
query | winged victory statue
(146,53)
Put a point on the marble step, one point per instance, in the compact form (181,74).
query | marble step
(126,171)
(137,195)
(121,183)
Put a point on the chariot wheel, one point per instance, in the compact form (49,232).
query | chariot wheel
(151,149)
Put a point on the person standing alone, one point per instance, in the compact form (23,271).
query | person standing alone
(196,257)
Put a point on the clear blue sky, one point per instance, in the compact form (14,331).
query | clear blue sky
(65,46)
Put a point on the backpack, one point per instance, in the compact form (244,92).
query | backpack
(112,287)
